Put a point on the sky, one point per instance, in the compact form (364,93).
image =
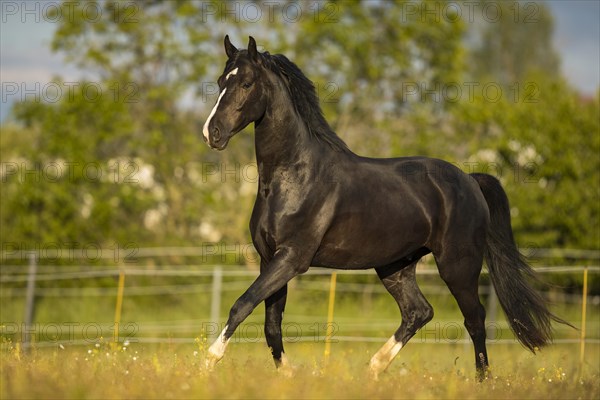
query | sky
(577,40)
(27,64)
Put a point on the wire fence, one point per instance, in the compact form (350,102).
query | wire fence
(34,281)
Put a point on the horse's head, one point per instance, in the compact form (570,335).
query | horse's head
(242,95)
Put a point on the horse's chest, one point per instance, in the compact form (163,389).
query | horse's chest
(263,227)
(278,219)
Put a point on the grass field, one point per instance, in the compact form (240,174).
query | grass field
(72,361)
(421,371)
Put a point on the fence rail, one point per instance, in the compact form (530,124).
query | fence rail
(34,272)
(132,252)
(236,271)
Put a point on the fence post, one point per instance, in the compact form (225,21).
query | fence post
(583,320)
(30,299)
(329,331)
(215,304)
(119,305)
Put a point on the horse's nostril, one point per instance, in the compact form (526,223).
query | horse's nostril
(217,134)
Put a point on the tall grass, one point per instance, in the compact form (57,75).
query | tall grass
(423,371)
(435,364)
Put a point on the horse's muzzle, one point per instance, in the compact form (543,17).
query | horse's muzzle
(216,140)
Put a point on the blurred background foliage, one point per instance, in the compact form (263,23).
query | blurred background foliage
(121,159)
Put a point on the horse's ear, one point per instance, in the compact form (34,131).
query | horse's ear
(230,49)
(252,52)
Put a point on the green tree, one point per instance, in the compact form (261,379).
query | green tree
(381,69)
(131,124)
(542,141)
(67,180)
(376,61)
(512,39)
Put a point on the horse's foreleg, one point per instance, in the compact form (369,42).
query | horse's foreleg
(281,269)
(274,307)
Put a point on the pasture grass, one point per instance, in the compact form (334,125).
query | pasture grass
(421,371)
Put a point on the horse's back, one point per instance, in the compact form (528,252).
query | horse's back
(399,205)
(424,180)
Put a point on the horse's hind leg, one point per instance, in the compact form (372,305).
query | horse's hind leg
(462,278)
(401,283)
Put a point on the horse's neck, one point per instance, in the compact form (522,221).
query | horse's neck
(281,137)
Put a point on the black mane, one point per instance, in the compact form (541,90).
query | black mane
(305,100)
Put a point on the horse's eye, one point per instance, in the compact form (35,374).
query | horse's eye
(247,85)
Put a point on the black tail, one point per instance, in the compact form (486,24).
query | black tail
(526,310)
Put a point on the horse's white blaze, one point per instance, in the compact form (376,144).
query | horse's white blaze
(212,113)
(217,349)
(214,110)
(382,359)
(233,72)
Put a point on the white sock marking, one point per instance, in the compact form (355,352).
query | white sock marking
(285,368)
(284,360)
(382,359)
(217,349)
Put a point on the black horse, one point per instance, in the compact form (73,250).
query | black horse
(320,204)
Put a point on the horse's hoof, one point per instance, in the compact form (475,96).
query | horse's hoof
(284,367)
(287,371)
(374,372)
(210,362)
